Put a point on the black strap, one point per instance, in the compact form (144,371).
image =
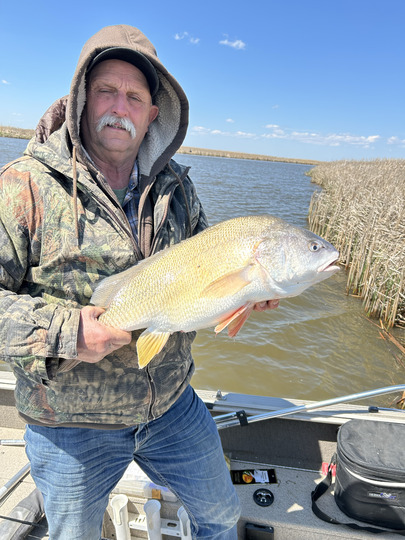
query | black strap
(322,488)
(241,416)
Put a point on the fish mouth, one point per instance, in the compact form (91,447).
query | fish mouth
(329,266)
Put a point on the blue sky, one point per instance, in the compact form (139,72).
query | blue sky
(313,79)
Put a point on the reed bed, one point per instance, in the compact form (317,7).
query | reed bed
(361,211)
(16,133)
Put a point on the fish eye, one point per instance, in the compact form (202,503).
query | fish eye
(315,246)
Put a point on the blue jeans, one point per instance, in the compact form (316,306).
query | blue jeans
(77,468)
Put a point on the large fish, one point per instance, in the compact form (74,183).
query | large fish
(213,279)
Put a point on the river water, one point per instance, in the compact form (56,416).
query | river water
(315,346)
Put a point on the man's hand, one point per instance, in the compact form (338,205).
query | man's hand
(263,306)
(94,340)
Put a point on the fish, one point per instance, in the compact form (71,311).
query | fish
(213,279)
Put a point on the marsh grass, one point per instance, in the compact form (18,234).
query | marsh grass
(361,210)
(16,133)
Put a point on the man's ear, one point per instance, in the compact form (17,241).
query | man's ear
(154,111)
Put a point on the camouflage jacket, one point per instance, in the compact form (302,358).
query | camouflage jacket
(47,274)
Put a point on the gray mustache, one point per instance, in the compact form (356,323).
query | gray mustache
(115,121)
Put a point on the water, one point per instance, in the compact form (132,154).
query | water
(11,149)
(315,346)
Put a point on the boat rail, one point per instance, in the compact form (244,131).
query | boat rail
(240,418)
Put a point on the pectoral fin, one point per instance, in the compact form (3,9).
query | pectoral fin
(228,284)
(149,344)
(236,320)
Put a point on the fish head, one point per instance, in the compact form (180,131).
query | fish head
(293,259)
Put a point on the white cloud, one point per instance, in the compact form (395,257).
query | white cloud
(199,130)
(244,135)
(396,140)
(186,35)
(331,139)
(277,132)
(237,44)
(229,120)
(3,81)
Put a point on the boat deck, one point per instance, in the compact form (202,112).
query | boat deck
(295,447)
(12,460)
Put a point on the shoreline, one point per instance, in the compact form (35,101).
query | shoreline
(17,133)
(191,150)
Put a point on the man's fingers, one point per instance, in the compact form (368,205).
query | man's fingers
(119,338)
(95,340)
(263,306)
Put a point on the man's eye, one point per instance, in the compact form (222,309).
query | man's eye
(104,91)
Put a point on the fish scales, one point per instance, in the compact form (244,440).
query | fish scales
(178,279)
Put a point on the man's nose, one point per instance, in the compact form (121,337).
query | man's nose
(120,107)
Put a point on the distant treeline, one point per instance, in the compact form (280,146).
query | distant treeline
(361,210)
(17,133)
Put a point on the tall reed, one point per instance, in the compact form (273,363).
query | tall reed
(361,210)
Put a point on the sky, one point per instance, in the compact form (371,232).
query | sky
(306,79)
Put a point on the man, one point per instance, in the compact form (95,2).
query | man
(96,192)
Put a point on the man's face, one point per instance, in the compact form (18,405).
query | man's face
(120,90)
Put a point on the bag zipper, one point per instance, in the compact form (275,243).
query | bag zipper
(375,482)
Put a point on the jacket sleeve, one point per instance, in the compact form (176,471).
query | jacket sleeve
(31,330)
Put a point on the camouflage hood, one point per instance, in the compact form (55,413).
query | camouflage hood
(164,137)
(165,134)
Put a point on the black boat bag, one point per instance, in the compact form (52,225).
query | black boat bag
(370,476)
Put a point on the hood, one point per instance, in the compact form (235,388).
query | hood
(165,134)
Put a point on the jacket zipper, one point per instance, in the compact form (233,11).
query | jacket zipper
(126,229)
(107,208)
(171,189)
(152,393)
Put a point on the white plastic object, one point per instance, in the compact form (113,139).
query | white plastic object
(168,527)
(153,491)
(153,522)
(136,483)
(120,517)
(185,528)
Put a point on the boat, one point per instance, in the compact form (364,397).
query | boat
(291,440)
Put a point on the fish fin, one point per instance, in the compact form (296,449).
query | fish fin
(236,324)
(236,320)
(149,344)
(227,285)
